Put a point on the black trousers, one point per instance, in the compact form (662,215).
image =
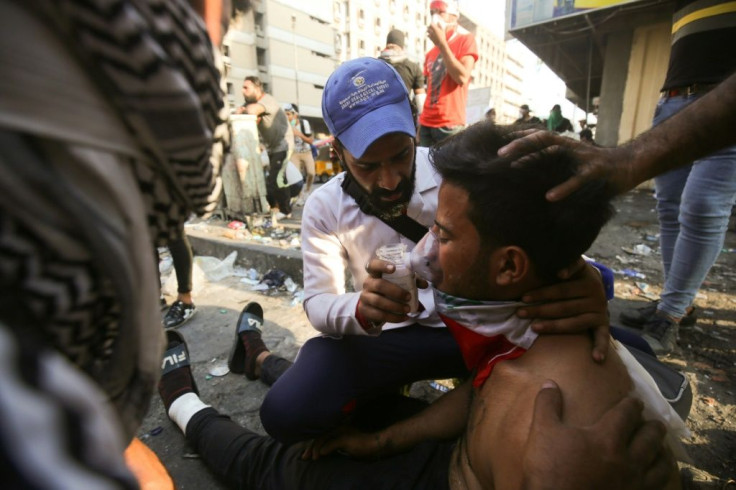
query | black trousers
(181,253)
(332,379)
(246,460)
(275,195)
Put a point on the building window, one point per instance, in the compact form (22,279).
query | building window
(338,42)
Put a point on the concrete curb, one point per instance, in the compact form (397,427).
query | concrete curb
(260,257)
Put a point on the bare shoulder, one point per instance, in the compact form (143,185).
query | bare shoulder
(502,408)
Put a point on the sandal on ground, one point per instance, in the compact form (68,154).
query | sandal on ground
(176,356)
(250,319)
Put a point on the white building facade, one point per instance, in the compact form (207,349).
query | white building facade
(293,46)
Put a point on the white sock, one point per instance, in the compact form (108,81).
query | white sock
(184,408)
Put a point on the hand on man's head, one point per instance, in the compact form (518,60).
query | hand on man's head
(615,165)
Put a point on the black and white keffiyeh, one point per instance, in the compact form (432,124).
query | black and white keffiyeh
(112,128)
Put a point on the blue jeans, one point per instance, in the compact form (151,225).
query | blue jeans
(693,205)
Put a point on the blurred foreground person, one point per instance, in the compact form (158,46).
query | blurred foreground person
(109,114)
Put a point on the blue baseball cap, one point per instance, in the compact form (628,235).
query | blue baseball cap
(363,100)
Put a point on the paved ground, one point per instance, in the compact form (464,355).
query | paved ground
(706,353)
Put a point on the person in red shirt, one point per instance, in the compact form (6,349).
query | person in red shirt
(447,68)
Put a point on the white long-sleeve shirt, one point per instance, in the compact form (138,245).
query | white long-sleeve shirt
(337,237)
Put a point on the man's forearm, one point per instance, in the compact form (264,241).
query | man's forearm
(703,127)
(445,419)
(455,67)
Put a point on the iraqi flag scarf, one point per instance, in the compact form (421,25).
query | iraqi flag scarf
(486,331)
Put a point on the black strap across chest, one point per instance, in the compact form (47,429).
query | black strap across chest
(408,227)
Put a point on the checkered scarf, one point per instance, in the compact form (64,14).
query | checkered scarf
(83,205)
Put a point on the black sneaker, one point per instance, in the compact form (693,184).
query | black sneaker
(164,304)
(660,333)
(638,317)
(178,314)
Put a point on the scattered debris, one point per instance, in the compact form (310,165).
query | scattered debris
(640,249)
(718,337)
(215,269)
(274,278)
(298,298)
(631,273)
(218,368)
(236,225)
(165,263)
(439,387)
(711,402)
(290,284)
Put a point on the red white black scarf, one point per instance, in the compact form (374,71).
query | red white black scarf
(487,332)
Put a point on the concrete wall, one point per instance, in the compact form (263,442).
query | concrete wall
(635,66)
(615,69)
(650,50)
